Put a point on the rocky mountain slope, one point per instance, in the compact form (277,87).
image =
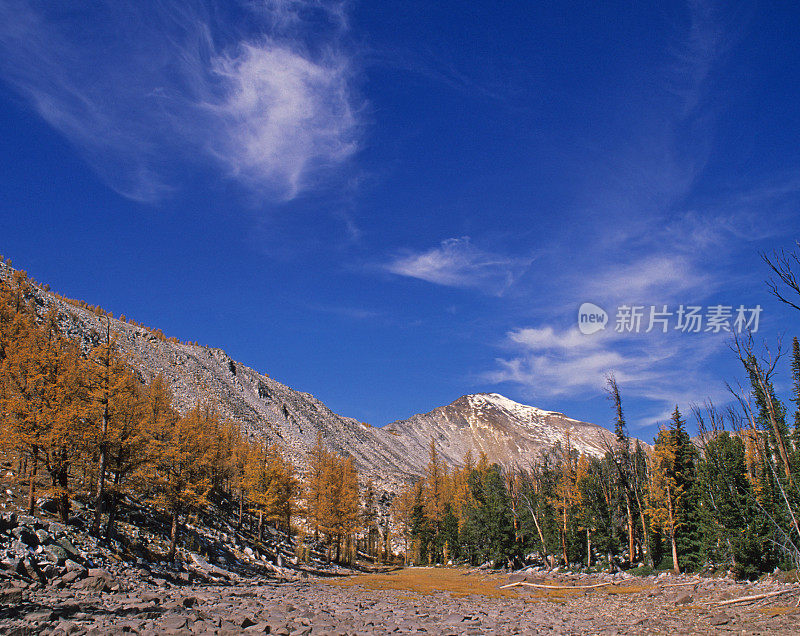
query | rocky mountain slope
(507,431)
(262,406)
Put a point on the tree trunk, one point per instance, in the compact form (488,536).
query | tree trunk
(588,548)
(730,551)
(564,535)
(173,535)
(112,517)
(676,568)
(101,466)
(241,509)
(113,504)
(541,536)
(32,480)
(648,559)
(260,525)
(101,470)
(63,500)
(631,541)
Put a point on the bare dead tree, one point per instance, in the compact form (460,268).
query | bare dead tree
(786,268)
(761,369)
(620,453)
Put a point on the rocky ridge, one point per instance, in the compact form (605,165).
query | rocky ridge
(508,432)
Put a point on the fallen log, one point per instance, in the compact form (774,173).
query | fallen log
(754,597)
(557,587)
(680,584)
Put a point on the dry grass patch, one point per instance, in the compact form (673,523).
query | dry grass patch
(459,582)
(454,581)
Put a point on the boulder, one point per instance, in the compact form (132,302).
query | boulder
(70,549)
(94,584)
(49,505)
(43,616)
(99,572)
(150,597)
(719,619)
(56,554)
(49,570)
(73,575)
(19,548)
(172,623)
(27,520)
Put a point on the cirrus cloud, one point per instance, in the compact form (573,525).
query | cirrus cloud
(459,263)
(144,90)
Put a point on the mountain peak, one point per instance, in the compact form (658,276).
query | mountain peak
(479,400)
(508,432)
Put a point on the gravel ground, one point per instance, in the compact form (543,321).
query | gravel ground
(114,604)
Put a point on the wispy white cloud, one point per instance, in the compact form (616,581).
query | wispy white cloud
(548,338)
(706,39)
(663,369)
(281,115)
(660,268)
(647,173)
(660,277)
(552,362)
(144,90)
(459,263)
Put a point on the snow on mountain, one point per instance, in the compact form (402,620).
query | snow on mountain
(508,432)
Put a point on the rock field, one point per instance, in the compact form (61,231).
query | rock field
(204,599)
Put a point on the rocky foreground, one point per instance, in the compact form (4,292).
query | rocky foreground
(116,601)
(57,579)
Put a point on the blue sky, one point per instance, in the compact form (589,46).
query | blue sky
(392,204)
